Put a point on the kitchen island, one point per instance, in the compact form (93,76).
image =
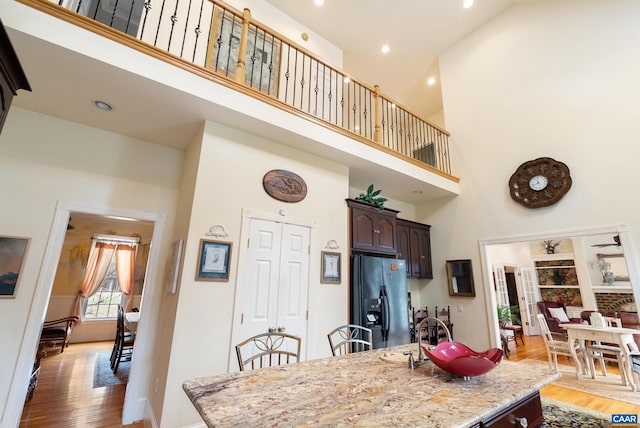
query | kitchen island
(373,388)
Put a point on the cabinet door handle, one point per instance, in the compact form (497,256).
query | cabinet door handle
(522,422)
(281,328)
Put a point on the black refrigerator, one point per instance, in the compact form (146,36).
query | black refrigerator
(379,299)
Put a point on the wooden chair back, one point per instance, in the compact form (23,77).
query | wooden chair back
(58,332)
(123,343)
(557,347)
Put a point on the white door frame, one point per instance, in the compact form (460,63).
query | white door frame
(134,405)
(248,215)
(490,295)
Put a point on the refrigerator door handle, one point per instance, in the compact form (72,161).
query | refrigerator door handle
(385,313)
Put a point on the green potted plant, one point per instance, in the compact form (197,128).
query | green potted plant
(508,314)
(372,198)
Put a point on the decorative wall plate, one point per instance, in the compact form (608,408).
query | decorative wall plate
(540,182)
(284,185)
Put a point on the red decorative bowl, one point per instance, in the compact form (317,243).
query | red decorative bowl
(460,360)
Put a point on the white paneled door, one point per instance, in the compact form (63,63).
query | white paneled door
(277,282)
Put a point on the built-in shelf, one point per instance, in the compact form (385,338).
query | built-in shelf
(557,270)
(612,289)
(560,286)
(558,278)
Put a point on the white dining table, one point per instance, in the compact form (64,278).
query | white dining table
(623,337)
(131,320)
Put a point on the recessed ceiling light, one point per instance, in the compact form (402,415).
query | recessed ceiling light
(431,81)
(103,105)
(385,49)
(467,4)
(319,2)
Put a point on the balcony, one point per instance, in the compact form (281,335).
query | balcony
(380,140)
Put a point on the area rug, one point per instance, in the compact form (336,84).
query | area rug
(609,386)
(103,375)
(558,414)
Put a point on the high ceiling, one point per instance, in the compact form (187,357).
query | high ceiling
(417,31)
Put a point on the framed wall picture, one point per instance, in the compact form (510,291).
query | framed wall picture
(12,253)
(330,268)
(171,281)
(214,258)
(460,277)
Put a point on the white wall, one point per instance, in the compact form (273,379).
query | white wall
(229,179)
(551,78)
(264,12)
(44,160)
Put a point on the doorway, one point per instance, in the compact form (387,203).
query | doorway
(132,408)
(517,251)
(512,290)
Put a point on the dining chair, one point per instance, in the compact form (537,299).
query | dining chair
(607,352)
(557,347)
(268,349)
(349,338)
(123,344)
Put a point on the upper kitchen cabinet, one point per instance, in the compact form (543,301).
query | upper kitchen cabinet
(12,77)
(372,230)
(414,245)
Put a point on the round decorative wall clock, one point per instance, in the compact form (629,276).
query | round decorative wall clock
(540,182)
(284,185)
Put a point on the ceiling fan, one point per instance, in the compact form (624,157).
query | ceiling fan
(616,243)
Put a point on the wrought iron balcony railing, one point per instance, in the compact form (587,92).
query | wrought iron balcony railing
(235,50)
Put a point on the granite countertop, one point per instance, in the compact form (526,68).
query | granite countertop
(374,388)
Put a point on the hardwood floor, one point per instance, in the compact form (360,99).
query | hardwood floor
(66,397)
(534,349)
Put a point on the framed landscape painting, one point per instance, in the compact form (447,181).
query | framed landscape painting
(12,252)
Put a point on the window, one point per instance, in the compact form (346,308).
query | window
(108,278)
(104,303)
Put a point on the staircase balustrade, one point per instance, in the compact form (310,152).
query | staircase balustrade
(235,49)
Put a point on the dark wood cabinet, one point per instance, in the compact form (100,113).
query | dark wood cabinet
(526,412)
(414,245)
(372,230)
(403,243)
(12,77)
